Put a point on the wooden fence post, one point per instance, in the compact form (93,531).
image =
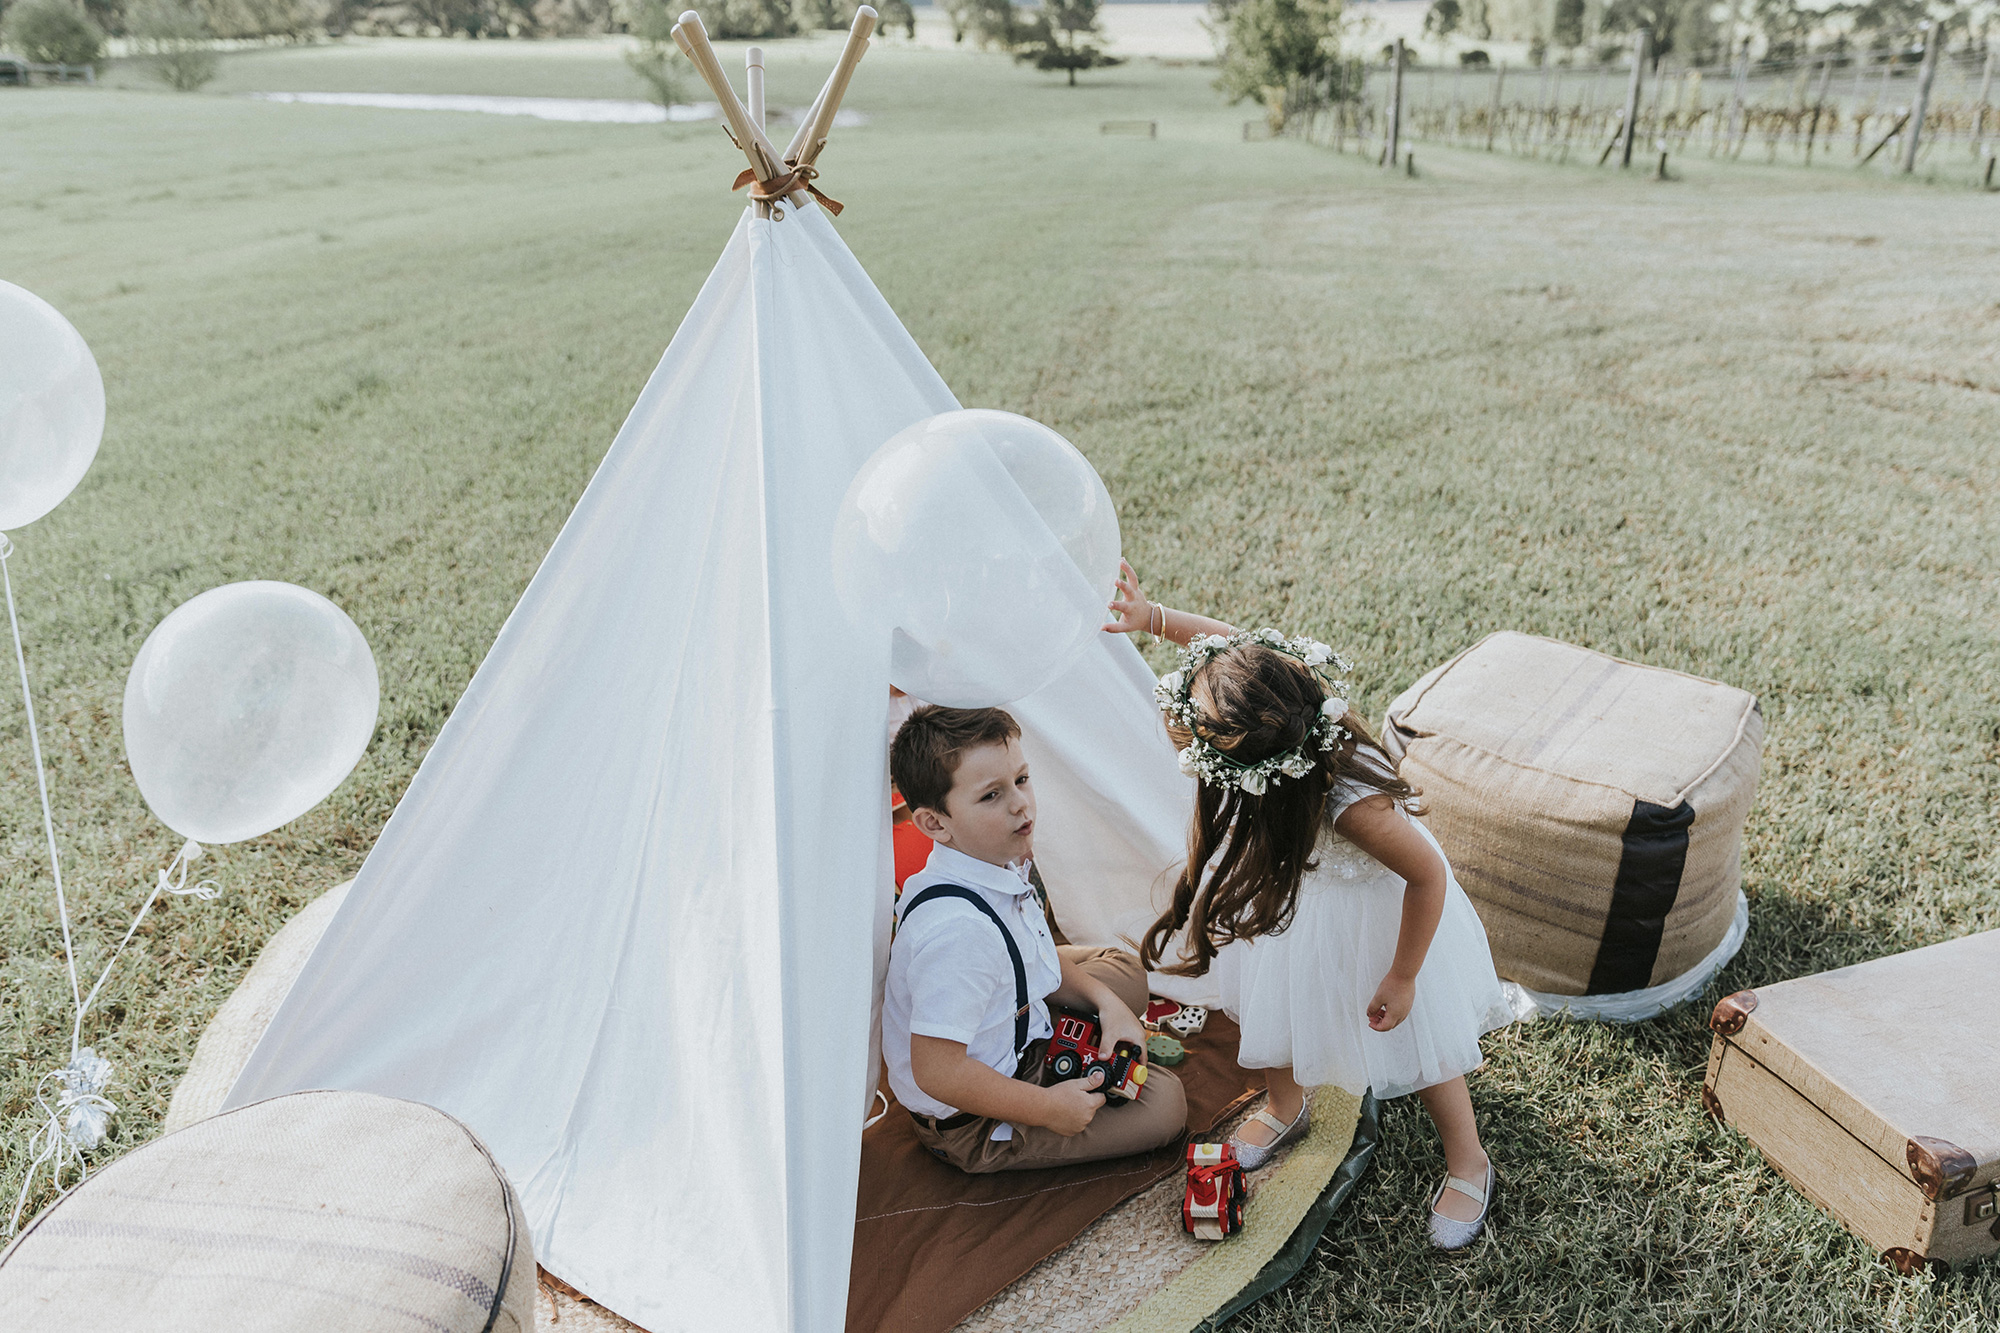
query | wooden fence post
(1819,105)
(1928,71)
(1457,102)
(1392,140)
(1736,125)
(1493,114)
(1985,93)
(1632,98)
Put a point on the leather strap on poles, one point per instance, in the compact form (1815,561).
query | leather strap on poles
(797,177)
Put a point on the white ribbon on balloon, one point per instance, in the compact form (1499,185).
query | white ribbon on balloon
(77,1120)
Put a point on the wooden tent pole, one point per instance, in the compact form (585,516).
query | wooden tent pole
(812,135)
(807,121)
(692,38)
(753,83)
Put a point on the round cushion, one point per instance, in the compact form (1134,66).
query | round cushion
(315,1211)
(1592,808)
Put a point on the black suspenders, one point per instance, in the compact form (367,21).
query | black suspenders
(1021,1002)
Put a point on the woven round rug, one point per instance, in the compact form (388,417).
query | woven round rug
(233,1033)
(1135,1270)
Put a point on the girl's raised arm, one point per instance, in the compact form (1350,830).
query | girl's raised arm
(1135,614)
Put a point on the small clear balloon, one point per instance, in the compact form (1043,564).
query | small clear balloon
(51,407)
(246,707)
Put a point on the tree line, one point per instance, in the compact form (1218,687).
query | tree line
(305,20)
(1703,32)
(1292,54)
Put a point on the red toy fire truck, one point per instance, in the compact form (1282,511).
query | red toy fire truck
(1213,1209)
(1073,1053)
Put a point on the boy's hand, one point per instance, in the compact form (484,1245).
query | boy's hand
(1120,1024)
(1391,1003)
(1131,612)
(1074,1104)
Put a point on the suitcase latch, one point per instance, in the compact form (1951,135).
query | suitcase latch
(1984,1206)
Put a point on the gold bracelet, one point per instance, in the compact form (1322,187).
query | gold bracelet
(1159,609)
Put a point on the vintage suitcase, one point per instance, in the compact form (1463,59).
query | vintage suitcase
(1876,1090)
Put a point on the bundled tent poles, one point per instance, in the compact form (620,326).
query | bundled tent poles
(790,177)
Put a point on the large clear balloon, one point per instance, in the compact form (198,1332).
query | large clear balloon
(986,546)
(246,707)
(51,407)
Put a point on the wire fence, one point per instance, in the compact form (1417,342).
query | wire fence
(1850,109)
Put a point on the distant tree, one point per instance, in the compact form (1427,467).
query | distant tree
(653,59)
(989,23)
(1442,19)
(1674,25)
(811,15)
(1269,46)
(1884,23)
(52,32)
(173,39)
(1474,59)
(1786,25)
(259,18)
(1566,29)
(1058,38)
(738,20)
(898,14)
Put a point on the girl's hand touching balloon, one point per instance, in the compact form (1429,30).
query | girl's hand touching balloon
(1131,612)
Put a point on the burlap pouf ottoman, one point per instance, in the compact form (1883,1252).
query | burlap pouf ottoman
(1593,809)
(317,1211)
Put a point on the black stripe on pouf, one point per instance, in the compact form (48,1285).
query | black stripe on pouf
(1649,879)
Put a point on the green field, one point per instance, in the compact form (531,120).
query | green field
(1741,424)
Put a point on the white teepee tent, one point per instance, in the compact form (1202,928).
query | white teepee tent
(629,920)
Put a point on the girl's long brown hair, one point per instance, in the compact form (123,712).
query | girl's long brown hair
(1258,703)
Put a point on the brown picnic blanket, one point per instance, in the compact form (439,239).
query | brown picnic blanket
(932,1244)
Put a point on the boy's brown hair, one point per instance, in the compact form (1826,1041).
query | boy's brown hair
(925,753)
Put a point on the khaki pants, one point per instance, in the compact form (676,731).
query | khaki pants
(1158,1116)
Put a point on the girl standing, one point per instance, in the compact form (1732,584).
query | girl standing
(1342,945)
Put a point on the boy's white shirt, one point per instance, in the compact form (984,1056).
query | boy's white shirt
(950,977)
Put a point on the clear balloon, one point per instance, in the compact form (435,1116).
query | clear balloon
(51,407)
(985,546)
(246,707)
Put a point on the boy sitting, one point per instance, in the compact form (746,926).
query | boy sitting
(965,1021)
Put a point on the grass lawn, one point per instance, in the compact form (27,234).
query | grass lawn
(1741,425)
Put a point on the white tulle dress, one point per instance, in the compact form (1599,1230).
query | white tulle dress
(1301,997)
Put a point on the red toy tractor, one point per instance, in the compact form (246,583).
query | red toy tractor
(1213,1209)
(1073,1053)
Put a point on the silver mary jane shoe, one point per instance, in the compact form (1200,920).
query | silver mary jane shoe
(1251,1156)
(1448,1233)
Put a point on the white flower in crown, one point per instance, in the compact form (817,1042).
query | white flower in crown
(1203,761)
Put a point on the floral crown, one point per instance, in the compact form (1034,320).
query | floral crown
(1202,760)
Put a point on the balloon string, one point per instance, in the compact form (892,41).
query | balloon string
(204,890)
(80,1115)
(71,1127)
(42,782)
(77,1122)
